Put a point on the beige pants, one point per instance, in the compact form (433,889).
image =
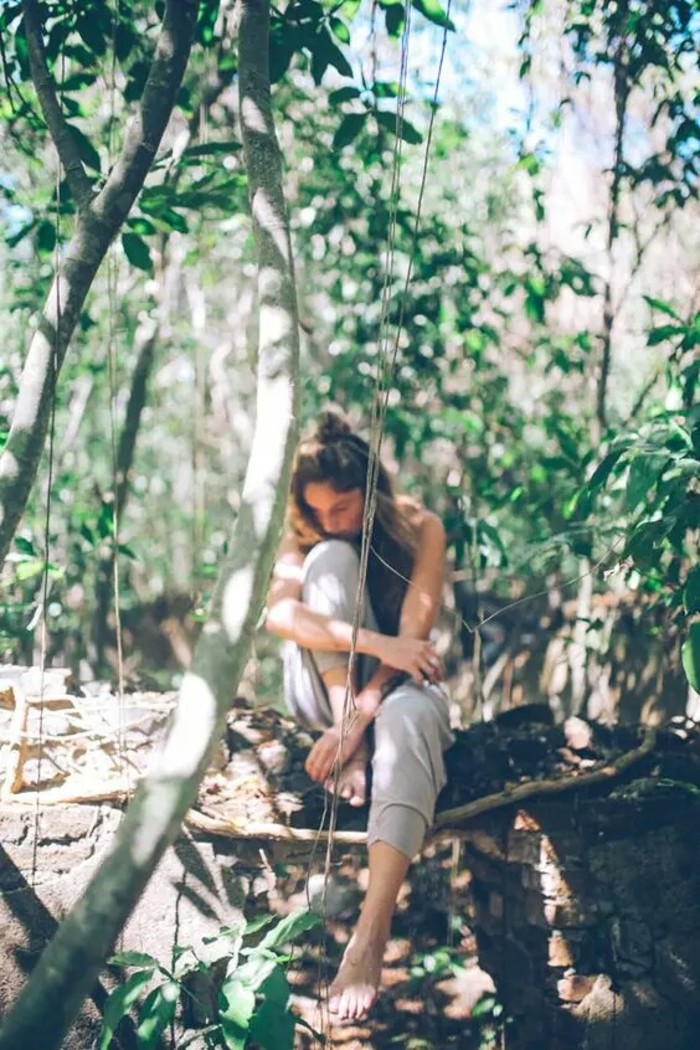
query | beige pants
(411,729)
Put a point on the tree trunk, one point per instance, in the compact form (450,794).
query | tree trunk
(621,91)
(104,585)
(68,967)
(99,220)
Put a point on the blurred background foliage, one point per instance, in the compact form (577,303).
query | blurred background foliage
(542,309)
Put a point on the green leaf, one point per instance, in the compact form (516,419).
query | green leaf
(273,1027)
(91,31)
(344,94)
(403,128)
(350,127)
(690,656)
(142,960)
(258,923)
(484,1006)
(275,988)
(88,154)
(256,970)
(120,1002)
(662,306)
(289,928)
(691,591)
(325,53)
(27,570)
(662,333)
(434,12)
(385,89)
(604,469)
(638,482)
(395,19)
(140,225)
(157,1012)
(46,236)
(236,1006)
(137,251)
(340,30)
(25,546)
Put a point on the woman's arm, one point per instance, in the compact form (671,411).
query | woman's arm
(424,593)
(289,618)
(418,615)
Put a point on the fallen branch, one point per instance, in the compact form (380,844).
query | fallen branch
(268,831)
(532,788)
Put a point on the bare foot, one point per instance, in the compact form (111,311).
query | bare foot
(352,782)
(354,990)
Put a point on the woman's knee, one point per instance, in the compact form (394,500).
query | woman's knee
(414,711)
(331,575)
(331,556)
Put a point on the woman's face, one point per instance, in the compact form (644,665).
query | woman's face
(338,514)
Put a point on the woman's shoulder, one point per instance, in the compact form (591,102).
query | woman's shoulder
(423,522)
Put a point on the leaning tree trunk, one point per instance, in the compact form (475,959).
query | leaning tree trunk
(68,968)
(100,216)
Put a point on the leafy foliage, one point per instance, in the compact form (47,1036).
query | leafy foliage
(251,1001)
(490,300)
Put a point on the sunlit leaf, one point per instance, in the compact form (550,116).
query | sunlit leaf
(287,929)
(142,960)
(434,12)
(157,1013)
(120,1002)
(236,1006)
(340,30)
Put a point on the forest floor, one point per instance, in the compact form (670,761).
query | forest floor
(434,996)
(431,980)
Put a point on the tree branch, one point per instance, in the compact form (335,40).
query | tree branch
(59,129)
(68,966)
(97,225)
(145,131)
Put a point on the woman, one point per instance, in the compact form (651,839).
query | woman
(394,683)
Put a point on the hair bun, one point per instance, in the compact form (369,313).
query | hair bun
(332,426)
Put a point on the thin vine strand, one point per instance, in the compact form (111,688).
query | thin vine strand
(53,373)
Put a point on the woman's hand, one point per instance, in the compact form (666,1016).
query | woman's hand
(415,656)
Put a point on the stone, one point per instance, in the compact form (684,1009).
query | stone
(573,988)
(560,951)
(578,734)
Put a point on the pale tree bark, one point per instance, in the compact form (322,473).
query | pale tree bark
(621,87)
(100,217)
(71,962)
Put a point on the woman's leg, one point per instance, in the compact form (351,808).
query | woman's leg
(315,682)
(411,732)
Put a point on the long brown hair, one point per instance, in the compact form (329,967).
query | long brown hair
(333,454)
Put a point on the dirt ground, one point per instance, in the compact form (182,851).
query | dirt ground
(430,981)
